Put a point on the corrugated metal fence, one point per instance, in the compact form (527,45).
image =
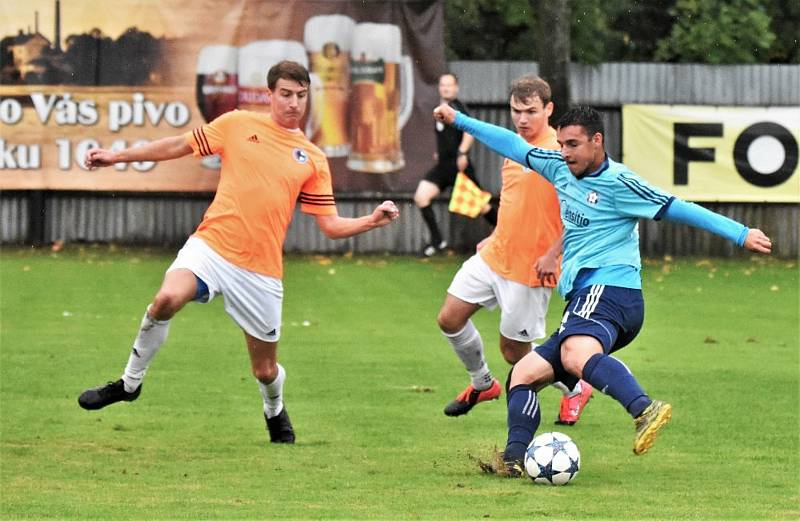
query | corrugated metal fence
(168,220)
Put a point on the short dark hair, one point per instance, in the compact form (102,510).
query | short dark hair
(287,70)
(585,117)
(455,77)
(528,86)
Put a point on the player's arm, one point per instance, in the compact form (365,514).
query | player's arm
(684,212)
(159,150)
(462,161)
(336,227)
(503,141)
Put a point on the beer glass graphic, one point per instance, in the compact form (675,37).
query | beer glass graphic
(216,88)
(381,98)
(328,40)
(255,60)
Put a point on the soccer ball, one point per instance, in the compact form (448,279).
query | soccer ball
(552,458)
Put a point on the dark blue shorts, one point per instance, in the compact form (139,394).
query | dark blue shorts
(611,314)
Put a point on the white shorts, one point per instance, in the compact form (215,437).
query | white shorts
(253,300)
(522,309)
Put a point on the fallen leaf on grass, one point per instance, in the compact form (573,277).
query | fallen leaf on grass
(710,340)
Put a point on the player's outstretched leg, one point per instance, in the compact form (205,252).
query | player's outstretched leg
(607,373)
(112,392)
(523,420)
(649,423)
(468,346)
(280,428)
(152,334)
(573,403)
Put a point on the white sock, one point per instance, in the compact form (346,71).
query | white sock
(272,393)
(152,333)
(468,346)
(565,390)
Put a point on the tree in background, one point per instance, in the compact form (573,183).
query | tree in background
(785,16)
(718,31)
(553,27)
(704,31)
(489,30)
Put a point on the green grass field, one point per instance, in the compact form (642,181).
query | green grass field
(368,375)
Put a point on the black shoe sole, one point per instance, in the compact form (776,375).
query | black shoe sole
(456,408)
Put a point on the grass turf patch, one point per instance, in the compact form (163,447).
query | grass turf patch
(368,376)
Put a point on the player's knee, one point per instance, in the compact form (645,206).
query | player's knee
(421,201)
(266,373)
(448,323)
(571,364)
(512,355)
(513,350)
(574,356)
(165,305)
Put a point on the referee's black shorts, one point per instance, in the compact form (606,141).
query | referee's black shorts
(443,174)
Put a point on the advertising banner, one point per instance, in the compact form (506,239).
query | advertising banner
(82,74)
(725,154)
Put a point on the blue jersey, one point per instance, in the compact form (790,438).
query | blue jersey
(600,211)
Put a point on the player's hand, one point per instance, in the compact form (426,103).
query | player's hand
(444,113)
(757,241)
(385,213)
(98,157)
(546,267)
(462,162)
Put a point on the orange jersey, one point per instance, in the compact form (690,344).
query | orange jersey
(265,168)
(528,221)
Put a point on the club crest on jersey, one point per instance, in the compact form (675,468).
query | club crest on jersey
(300,155)
(592,198)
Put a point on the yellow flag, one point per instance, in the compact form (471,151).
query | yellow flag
(467,198)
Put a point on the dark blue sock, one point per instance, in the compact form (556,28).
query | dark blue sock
(523,420)
(610,376)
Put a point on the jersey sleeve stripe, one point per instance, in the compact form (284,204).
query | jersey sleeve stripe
(544,154)
(198,141)
(643,192)
(317,199)
(318,203)
(541,154)
(202,142)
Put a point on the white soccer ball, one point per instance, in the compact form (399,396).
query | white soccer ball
(552,458)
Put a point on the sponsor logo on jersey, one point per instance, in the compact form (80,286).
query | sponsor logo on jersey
(576,217)
(253,139)
(300,155)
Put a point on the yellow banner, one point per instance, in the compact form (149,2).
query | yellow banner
(700,153)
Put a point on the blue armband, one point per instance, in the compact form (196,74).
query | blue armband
(694,215)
